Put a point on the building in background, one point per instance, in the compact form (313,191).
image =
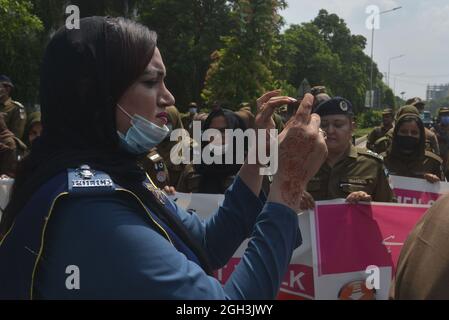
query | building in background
(436,92)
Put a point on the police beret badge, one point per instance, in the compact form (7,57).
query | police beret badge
(343,106)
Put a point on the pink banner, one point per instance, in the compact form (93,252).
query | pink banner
(350,240)
(415,197)
(352,237)
(296,285)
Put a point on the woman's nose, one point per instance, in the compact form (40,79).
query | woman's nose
(166,99)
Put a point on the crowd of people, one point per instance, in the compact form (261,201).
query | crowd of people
(17,129)
(153,248)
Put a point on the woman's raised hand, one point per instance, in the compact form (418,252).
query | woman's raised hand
(302,151)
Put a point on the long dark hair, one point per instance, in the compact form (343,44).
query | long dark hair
(84,73)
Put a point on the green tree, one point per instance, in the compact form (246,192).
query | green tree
(124,8)
(188,33)
(326,53)
(353,78)
(241,70)
(389,99)
(20,49)
(303,54)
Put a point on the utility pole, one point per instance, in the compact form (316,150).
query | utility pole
(372,54)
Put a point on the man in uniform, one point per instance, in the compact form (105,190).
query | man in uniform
(15,117)
(166,146)
(187,119)
(356,174)
(379,132)
(8,150)
(441,130)
(381,145)
(157,163)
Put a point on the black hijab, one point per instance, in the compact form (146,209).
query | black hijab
(214,176)
(419,152)
(84,73)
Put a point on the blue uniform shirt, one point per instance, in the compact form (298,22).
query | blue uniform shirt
(119,255)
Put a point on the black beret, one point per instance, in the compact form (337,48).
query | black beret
(5,80)
(336,105)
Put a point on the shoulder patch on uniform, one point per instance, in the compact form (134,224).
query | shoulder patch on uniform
(17,103)
(370,153)
(433,156)
(84,180)
(382,139)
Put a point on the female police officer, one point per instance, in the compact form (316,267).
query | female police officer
(80,202)
(349,172)
(407,155)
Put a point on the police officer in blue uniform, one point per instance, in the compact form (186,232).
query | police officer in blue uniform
(81,207)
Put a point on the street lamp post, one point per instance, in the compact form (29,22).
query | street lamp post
(389,66)
(372,53)
(395,78)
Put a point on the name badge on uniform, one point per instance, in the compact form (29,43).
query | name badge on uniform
(85,180)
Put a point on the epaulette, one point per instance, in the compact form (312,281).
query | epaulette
(154,157)
(434,156)
(17,103)
(371,154)
(382,139)
(84,180)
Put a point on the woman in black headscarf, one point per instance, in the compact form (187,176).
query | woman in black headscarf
(407,155)
(84,222)
(215,178)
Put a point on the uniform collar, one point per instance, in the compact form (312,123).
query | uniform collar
(7,102)
(352,151)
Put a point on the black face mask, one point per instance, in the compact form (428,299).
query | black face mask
(407,144)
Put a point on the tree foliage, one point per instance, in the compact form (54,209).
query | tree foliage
(20,47)
(326,53)
(242,69)
(188,33)
(214,50)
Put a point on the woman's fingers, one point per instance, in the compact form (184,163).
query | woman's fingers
(315,122)
(305,109)
(267,109)
(309,203)
(431,178)
(170,190)
(267,96)
(358,196)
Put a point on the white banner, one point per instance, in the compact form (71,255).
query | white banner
(345,240)
(298,281)
(5,191)
(417,191)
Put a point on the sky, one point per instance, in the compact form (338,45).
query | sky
(419,31)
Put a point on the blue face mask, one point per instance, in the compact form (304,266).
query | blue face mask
(142,136)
